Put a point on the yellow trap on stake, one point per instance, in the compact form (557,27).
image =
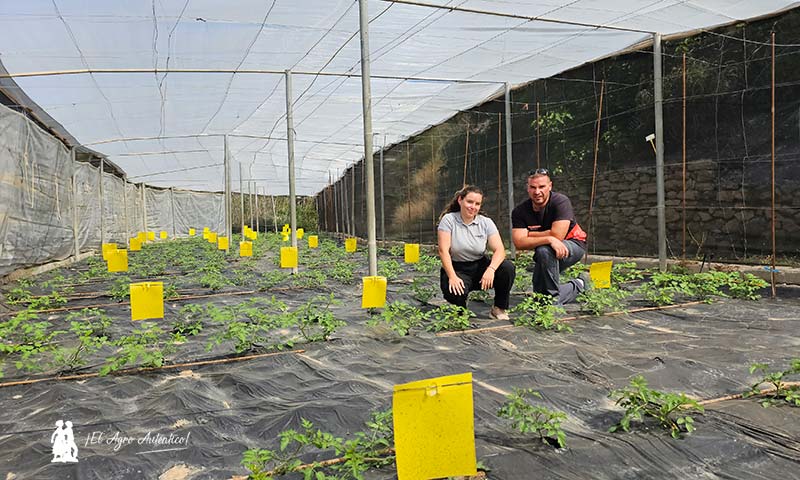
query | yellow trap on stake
(288,257)
(373,294)
(223,243)
(411,253)
(108,247)
(601,274)
(135,245)
(434,430)
(350,244)
(313,241)
(118,261)
(147,300)
(192,232)
(245,249)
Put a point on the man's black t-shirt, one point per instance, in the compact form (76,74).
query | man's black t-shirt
(558,207)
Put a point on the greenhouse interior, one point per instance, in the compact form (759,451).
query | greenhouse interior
(588,267)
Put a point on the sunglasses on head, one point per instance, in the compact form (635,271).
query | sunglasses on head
(539,171)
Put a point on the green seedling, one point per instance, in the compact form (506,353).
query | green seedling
(599,301)
(672,411)
(421,290)
(449,317)
(527,418)
(537,311)
(401,317)
(427,264)
(781,391)
(390,269)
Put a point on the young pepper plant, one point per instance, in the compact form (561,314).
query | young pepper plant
(670,409)
(782,391)
(527,418)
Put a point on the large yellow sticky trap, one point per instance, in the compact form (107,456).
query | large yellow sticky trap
(151,236)
(411,253)
(135,244)
(192,232)
(374,292)
(118,261)
(300,233)
(601,274)
(163,234)
(142,237)
(288,257)
(245,249)
(350,244)
(434,431)
(212,237)
(147,300)
(223,243)
(108,247)
(313,241)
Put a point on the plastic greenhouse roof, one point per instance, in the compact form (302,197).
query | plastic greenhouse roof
(120,114)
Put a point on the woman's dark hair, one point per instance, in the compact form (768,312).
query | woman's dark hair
(453,206)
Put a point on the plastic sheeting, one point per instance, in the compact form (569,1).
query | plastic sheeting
(310,36)
(36,201)
(35,194)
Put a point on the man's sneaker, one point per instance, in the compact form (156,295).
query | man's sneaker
(498,314)
(586,281)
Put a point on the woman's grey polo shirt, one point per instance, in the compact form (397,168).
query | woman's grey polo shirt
(467,241)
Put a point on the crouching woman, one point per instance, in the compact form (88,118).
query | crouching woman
(464,234)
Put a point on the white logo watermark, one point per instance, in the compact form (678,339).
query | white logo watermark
(66,451)
(156,442)
(63,440)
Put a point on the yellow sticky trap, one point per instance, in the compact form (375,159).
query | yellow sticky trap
(151,236)
(222,243)
(373,294)
(142,237)
(601,274)
(212,237)
(135,244)
(313,241)
(288,257)
(287,228)
(253,235)
(285,237)
(163,234)
(147,300)
(192,232)
(118,261)
(108,247)
(350,244)
(300,233)
(245,249)
(434,430)
(411,253)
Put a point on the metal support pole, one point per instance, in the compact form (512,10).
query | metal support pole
(76,248)
(257,210)
(125,209)
(353,201)
(274,214)
(102,201)
(144,208)
(335,196)
(228,205)
(509,168)
(172,208)
(383,196)
(241,198)
(366,105)
(290,149)
(250,190)
(659,115)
